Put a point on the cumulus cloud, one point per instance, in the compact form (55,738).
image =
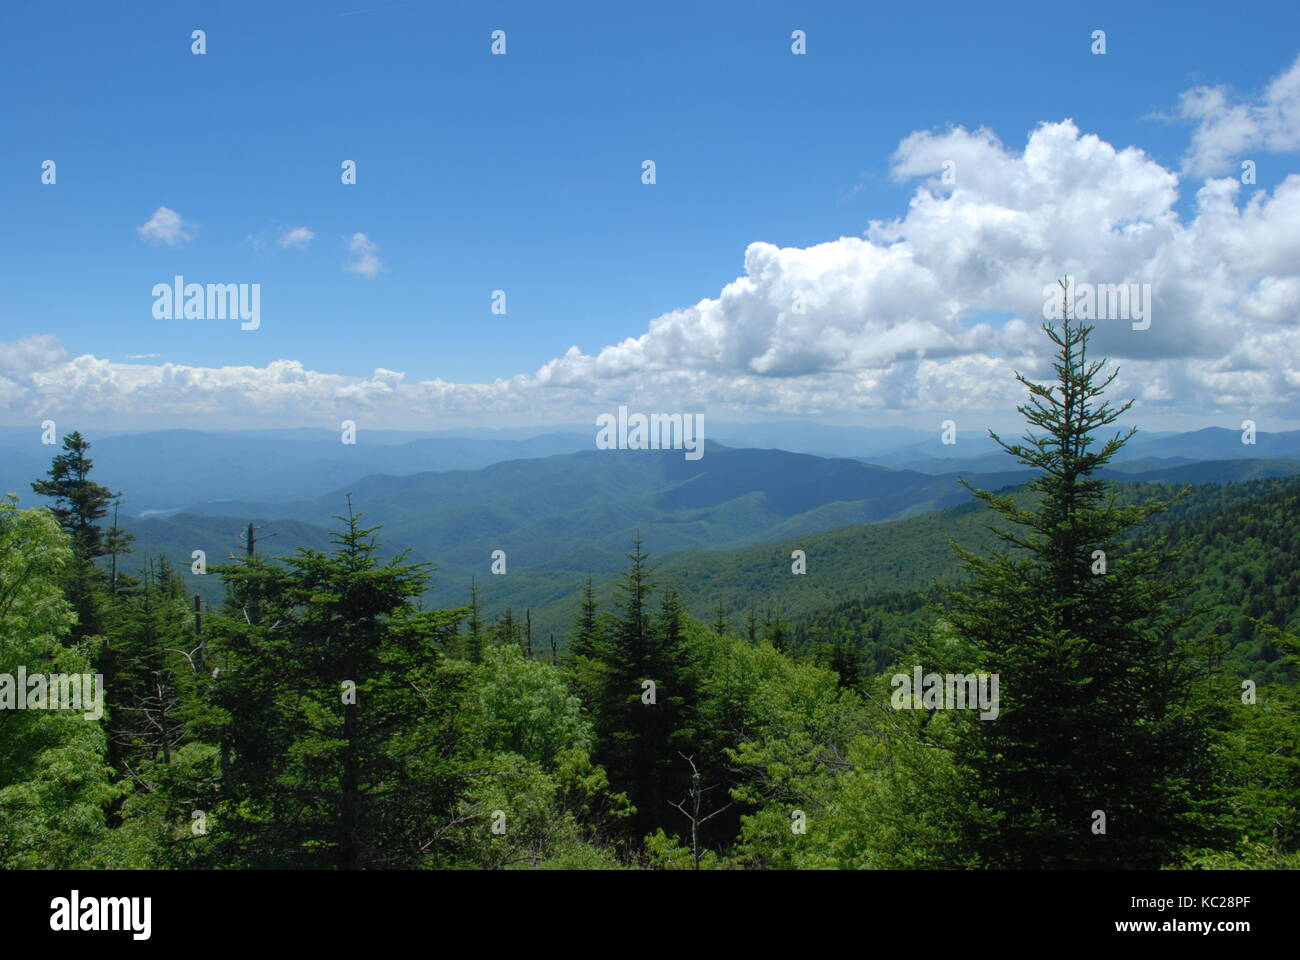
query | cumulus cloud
(21,358)
(166,226)
(363,256)
(885,320)
(1226,131)
(297,238)
(933,310)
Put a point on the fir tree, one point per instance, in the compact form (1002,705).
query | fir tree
(505,632)
(775,630)
(586,638)
(335,717)
(116,542)
(79,504)
(1094,690)
(642,696)
(719,625)
(474,637)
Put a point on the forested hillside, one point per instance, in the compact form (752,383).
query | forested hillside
(851,565)
(559,518)
(1238,543)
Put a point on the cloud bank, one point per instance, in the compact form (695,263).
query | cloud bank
(933,310)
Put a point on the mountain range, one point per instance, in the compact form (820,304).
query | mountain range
(558,518)
(164,472)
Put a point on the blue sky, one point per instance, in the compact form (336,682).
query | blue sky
(523,172)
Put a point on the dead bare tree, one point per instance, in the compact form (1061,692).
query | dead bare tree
(152,721)
(695,795)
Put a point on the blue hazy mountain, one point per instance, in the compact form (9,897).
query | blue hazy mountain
(165,471)
(562,516)
(161,472)
(979,452)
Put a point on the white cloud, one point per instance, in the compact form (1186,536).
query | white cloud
(166,226)
(857,325)
(297,238)
(363,256)
(884,318)
(20,359)
(1227,132)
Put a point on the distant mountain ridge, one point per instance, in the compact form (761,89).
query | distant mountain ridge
(560,517)
(1211,443)
(167,471)
(163,472)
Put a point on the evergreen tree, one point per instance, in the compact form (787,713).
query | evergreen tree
(336,718)
(79,505)
(641,700)
(79,502)
(775,630)
(719,625)
(158,662)
(845,660)
(1095,692)
(474,638)
(116,542)
(586,629)
(505,632)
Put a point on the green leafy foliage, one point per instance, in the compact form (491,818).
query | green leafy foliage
(54,781)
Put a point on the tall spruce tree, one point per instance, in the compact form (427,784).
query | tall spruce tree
(1096,693)
(474,637)
(775,630)
(719,624)
(506,632)
(642,692)
(587,635)
(79,504)
(335,719)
